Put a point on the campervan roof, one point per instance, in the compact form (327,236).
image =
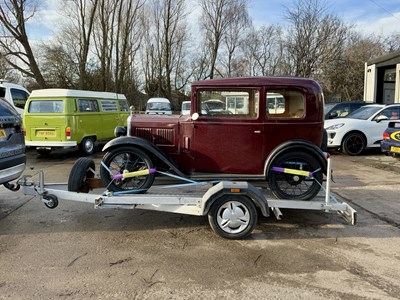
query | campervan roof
(75,93)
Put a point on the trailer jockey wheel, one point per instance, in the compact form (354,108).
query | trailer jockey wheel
(82,169)
(233,216)
(50,201)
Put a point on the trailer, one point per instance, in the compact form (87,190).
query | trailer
(232,206)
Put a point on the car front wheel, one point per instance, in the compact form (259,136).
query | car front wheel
(353,144)
(122,160)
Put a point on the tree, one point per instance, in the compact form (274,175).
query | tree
(218,16)
(345,76)
(14,44)
(163,57)
(78,32)
(263,49)
(315,38)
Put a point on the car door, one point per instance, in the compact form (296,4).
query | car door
(225,141)
(378,127)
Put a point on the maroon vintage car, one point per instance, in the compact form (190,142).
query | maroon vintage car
(263,128)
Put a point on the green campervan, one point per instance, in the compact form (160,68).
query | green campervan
(63,118)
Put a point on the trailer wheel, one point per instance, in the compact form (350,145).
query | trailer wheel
(82,169)
(233,217)
(293,186)
(51,201)
(126,159)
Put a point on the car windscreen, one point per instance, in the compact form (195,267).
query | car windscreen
(158,106)
(328,107)
(46,106)
(364,113)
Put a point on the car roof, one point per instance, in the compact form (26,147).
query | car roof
(75,93)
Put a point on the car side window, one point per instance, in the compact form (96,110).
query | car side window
(228,103)
(285,104)
(85,105)
(19,97)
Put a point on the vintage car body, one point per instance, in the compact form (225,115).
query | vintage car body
(390,145)
(240,142)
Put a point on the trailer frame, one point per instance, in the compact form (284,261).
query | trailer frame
(231,206)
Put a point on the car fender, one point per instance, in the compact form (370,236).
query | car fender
(297,145)
(146,146)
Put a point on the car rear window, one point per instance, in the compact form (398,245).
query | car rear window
(46,106)
(285,104)
(6,109)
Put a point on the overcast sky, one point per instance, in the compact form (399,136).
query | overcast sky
(369,16)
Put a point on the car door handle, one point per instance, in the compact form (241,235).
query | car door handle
(257,131)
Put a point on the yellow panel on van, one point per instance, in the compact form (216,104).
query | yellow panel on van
(62,118)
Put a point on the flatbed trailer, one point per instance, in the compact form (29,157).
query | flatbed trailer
(231,206)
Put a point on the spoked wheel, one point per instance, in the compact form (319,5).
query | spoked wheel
(123,160)
(353,144)
(233,217)
(295,186)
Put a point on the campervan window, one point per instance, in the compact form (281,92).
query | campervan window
(123,105)
(108,105)
(48,106)
(85,105)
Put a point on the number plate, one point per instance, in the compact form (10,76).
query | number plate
(395,149)
(2,134)
(46,133)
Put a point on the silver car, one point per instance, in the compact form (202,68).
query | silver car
(12,145)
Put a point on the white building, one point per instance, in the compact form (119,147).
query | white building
(382,79)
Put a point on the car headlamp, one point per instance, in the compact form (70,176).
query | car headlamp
(335,126)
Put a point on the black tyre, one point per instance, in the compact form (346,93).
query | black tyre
(52,201)
(82,169)
(87,146)
(233,217)
(126,159)
(353,144)
(293,186)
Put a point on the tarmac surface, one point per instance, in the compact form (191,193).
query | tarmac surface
(77,252)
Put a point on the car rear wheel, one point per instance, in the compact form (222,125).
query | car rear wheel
(122,160)
(87,146)
(353,144)
(286,184)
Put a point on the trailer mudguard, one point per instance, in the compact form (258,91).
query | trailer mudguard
(297,145)
(145,146)
(243,188)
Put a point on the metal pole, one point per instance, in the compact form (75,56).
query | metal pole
(328,182)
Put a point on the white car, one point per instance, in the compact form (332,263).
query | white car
(185,108)
(361,129)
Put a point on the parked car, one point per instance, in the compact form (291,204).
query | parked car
(361,129)
(158,106)
(63,118)
(15,94)
(253,144)
(390,145)
(12,146)
(341,109)
(185,108)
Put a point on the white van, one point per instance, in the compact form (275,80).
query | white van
(158,106)
(15,94)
